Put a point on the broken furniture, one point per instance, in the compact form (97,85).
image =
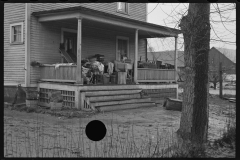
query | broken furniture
(173,104)
(56,99)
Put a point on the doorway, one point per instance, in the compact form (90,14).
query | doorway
(69,42)
(122,48)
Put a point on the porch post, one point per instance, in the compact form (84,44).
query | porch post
(79,52)
(136,57)
(175,58)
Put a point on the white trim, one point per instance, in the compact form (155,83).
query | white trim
(27,44)
(10,31)
(123,38)
(79,53)
(66,30)
(136,58)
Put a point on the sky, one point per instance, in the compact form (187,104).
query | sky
(169,14)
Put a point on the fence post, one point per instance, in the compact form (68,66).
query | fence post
(220,79)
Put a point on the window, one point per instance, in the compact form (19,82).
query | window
(122,7)
(16,33)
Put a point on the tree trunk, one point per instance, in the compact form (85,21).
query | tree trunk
(196,32)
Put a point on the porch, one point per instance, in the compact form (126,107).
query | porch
(116,29)
(112,36)
(89,97)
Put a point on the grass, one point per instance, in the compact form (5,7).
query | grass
(69,141)
(228,137)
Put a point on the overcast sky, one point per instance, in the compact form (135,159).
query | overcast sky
(169,14)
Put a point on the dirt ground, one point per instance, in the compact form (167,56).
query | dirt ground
(44,135)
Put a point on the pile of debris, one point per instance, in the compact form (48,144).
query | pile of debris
(233,100)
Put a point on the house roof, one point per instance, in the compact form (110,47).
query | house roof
(167,57)
(169,32)
(229,53)
(218,50)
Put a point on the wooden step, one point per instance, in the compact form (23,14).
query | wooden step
(114,92)
(113,97)
(124,106)
(128,101)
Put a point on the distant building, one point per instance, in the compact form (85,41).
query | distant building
(215,57)
(167,57)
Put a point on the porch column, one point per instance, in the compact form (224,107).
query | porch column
(175,58)
(79,52)
(136,57)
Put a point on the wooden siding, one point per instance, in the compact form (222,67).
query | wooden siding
(14,55)
(142,49)
(137,11)
(46,37)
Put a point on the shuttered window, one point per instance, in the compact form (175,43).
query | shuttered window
(16,33)
(122,7)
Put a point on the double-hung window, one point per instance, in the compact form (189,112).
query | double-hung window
(16,33)
(122,7)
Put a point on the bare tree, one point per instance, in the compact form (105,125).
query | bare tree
(195,27)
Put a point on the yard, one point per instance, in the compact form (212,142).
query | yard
(141,132)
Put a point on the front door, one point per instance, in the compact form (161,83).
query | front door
(122,49)
(70,44)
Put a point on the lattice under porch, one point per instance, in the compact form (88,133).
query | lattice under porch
(68,97)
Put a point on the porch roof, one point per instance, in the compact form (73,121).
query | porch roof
(146,30)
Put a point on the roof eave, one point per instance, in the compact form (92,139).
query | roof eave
(171,32)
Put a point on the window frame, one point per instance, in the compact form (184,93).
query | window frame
(127,8)
(11,32)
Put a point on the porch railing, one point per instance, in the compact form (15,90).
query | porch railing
(156,75)
(68,74)
(60,74)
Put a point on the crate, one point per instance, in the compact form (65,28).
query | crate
(56,105)
(31,95)
(68,97)
(31,103)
